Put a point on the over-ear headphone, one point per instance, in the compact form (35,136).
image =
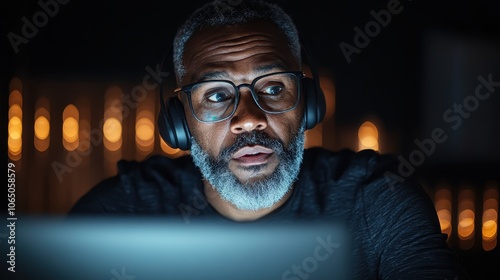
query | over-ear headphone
(314,97)
(174,130)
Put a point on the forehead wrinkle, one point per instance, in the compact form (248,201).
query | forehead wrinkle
(216,52)
(226,73)
(216,63)
(221,43)
(237,39)
(232,50)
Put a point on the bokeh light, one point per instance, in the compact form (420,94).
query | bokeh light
(368,136)
(15,124)
(443,205)
(112,130)
(42,128)
(15,128)
(70,127)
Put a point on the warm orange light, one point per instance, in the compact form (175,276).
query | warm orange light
(145,126)
(112,127)
(112,130)
(42,127)
(70,129)
(465,224)
(489,230)
(71,111)
(466,216)
(442,203)
(113,105)
(15,145)
(15,111)
(15,98)
(144,129)
(368,136)
(15,128)
(15,125)
(444,216)
(167,149)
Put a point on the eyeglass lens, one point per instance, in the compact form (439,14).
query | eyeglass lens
(216,100)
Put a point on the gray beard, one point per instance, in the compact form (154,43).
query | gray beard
(260,194)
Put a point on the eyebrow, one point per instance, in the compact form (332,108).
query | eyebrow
(263,69)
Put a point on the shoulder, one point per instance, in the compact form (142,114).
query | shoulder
(156,168)
(366,182)
(140,186)
(371,174)
(378,193)
(362,166)
(333,180)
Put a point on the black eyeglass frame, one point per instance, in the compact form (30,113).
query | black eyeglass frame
(188,88)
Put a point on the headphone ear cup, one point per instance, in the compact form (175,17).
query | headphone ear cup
(172,125)
(315,103)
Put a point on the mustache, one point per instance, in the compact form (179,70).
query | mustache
(251,139)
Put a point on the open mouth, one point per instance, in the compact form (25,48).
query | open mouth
(252,155)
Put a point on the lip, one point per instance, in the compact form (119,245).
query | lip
(252,155)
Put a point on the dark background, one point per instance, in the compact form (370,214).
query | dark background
(389,78)
(425,60)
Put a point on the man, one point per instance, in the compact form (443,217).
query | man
(238,69)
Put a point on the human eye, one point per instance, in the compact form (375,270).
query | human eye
(218,96)
(274,85)
(213,92)
(272,90)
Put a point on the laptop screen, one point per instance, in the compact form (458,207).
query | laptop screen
(145,248)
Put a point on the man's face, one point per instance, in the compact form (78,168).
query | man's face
(252,149)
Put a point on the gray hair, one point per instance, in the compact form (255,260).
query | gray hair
(232,12)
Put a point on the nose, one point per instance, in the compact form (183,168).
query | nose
(248,115)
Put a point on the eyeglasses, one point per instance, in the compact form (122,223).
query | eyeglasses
(217,100)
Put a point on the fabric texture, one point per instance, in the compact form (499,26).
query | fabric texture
(395,229)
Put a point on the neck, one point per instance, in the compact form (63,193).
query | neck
(228,210)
